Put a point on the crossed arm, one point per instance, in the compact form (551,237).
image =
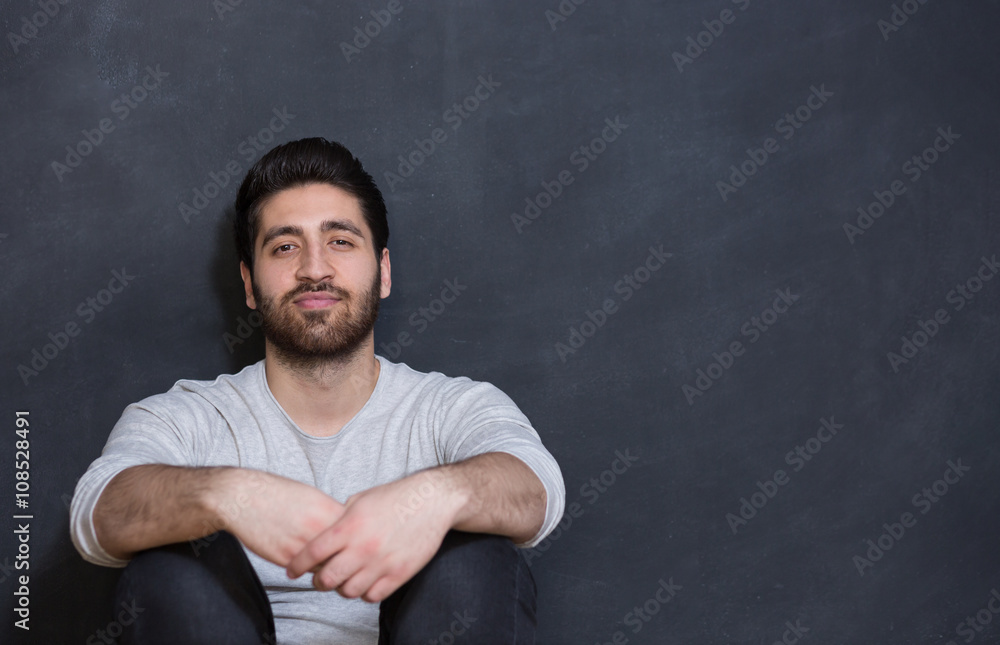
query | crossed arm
(367,547)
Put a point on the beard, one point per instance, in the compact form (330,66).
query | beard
(310,339)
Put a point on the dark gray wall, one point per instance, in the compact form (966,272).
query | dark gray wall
(702,428)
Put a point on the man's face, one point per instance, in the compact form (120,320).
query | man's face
(315,280)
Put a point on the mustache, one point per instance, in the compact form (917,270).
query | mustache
(318,287)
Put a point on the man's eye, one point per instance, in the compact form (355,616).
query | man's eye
(342,243)
(284,248)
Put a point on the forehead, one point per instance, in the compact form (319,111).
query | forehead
(308,206)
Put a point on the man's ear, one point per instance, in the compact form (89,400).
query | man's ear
(248,285)
(386,285)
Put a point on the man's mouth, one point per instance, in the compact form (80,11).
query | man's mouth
(316,300)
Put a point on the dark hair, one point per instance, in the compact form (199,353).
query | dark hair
(298,163)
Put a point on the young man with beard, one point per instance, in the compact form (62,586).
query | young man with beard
(388,485)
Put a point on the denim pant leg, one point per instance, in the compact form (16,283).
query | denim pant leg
(201,592)
(477,590)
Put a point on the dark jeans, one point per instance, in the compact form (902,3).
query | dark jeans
(477,590)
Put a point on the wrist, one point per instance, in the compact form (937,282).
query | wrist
(219,488)
(450,489)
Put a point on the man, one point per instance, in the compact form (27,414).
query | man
(388,485)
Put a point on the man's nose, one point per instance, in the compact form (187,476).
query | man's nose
(313,265)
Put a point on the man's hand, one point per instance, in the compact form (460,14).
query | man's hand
(273,516)
(384,536)
(154,504)
(388,533)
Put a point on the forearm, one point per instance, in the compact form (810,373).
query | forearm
(152,505)
(493,493)
(387,533)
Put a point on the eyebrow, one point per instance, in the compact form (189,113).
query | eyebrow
(326,226)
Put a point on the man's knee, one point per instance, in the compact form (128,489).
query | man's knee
(184,591)
(477,587)
(170,572)
(475,559)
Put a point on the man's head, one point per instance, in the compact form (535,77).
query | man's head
(317,268)
(301,162)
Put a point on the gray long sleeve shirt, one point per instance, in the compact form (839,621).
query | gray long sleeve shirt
(412,421)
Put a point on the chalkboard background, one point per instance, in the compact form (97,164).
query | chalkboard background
(654,208)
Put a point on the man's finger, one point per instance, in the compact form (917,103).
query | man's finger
(336,571)
(358,583)
(382,589)
(318,550)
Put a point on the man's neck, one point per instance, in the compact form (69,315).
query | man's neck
(322,398)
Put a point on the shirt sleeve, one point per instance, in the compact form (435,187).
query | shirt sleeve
(157,430)
(481,419)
